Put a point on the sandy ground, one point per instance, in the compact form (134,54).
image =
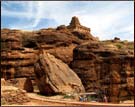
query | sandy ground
(58,101)
(39,100)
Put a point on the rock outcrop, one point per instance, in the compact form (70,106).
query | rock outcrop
(19,48)
(96,63)
(103,69)
(56,40)
(18,63)
(53,76)
(76,26)
(10,39)
(80,31)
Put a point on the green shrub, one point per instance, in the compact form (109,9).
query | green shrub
(131,47)
(119,46)
(68,96)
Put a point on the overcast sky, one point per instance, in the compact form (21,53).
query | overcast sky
(107,19)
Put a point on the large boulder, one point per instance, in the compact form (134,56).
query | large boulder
(53,76)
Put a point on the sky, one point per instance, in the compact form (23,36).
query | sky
(106,19)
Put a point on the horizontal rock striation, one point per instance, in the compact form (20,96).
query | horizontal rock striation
(19,48)
(100,66)
(18,63)
(101,69)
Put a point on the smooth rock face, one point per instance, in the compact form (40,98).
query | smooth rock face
(101,68)
(53,76)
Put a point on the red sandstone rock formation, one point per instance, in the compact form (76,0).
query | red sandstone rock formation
(18,63)
(80,31)
(103,69)
(54,76)
(96,65)
(76,26)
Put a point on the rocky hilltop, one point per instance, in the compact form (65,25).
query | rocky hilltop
(67,59)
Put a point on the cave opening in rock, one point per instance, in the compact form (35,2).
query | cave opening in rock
(30,44)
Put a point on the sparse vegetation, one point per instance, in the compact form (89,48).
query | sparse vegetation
(119,46)
(68,96)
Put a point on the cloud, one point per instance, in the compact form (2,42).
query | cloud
(104,18)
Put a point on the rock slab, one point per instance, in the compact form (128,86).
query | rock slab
(53,76)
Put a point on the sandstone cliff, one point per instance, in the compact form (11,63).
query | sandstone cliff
(104,69)
(19,48)
(100,66)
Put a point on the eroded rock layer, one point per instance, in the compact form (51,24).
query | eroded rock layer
(104,69)
(100,66)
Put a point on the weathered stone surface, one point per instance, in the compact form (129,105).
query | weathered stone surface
(63,53)
(51,39)
(53,76)
(18,63)
(115,76)
(21,83)
(3,82)
(75,25)
(98,65)
(123,93)
(10,39)
(130,85)
(109,69)
(80,31)
(114,90)
(12,95)
(55,38)
(114,99)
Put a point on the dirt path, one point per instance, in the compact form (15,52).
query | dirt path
(45,101)
(39,100)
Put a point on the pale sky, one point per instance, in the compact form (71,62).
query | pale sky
(107,19)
